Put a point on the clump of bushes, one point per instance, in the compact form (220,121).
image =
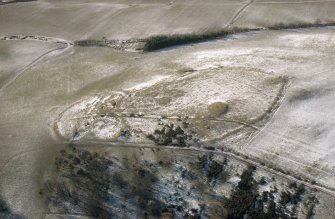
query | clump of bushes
(88,43)
(170,135)
(163,41)
(3,206)
(285,198)
(159,42)
(6,212)
(244,196)
(310,204)
(297,197)
(92,184)
(317,23)
(246,200)
(213,169)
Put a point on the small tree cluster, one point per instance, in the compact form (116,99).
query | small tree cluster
(170,135)
(246,200)
(158,42)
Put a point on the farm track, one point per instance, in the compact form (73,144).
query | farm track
(234,155)
(64,45)
(132,43)
(238,14)
(255,162)
(250,124)
(229,30)
(17,155)
(243,124)
(239,122)
(140,146)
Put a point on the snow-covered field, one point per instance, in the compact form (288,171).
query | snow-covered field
(267,95)
(75,20)
(247,73)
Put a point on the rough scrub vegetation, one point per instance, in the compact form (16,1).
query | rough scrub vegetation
(246,201)
(99,186)
(170,135)
(159,42)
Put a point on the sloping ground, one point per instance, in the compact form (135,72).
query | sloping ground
(298,136)
(75,20)
(14,58)
(286,12)
(243,68)
(287,127)
(100,182)
(296,128)
(206,98)
(297,139)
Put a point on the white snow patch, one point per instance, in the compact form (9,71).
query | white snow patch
(154,80)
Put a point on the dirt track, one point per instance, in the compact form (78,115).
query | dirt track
(33,97)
